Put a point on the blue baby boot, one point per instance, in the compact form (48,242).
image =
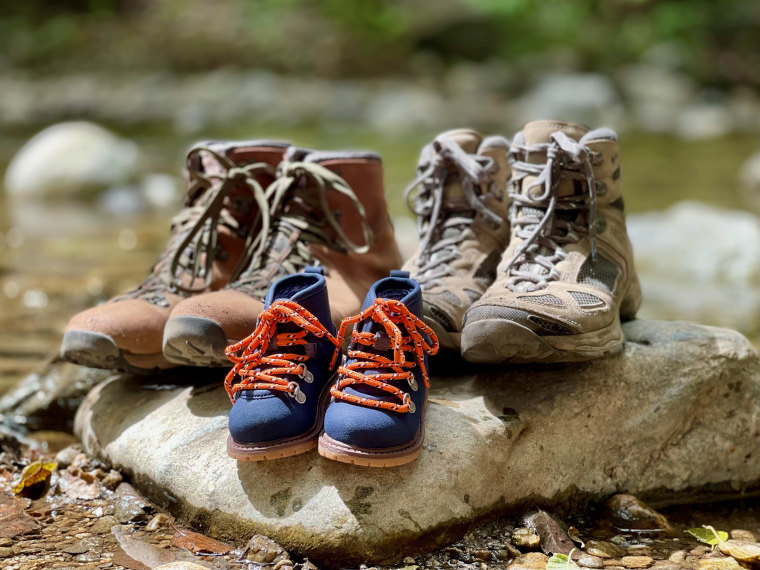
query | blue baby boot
(376,417)
(280,382)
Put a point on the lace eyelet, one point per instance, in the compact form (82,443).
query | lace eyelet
(413,383)
(306,376)
(297,394)
(408,400)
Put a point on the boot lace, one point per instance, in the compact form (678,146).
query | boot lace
(258,365)
(442,223)
(545,222)
(392,315)
(193,246)
(300,194)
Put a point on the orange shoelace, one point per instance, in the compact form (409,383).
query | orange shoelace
(390,314)
(256,370)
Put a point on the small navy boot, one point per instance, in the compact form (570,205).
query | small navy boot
(280,382)
(376,417)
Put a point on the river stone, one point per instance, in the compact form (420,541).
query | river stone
(649,421)
(71,159)
(701,263)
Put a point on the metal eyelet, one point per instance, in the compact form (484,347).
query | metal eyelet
(306,376)
(408,400)
(413,383)
(297,394)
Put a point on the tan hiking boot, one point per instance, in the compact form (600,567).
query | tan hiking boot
(217,232)
(462,210)
(329,210)
(567,276)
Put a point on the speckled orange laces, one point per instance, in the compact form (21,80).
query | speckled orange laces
(255,370)
(390,314)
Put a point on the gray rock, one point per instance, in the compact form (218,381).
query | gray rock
(628,512)
(554,538)
(71,159)
(649,421)
(700,263)
(604,549)
(585,98)
(589,561)
(704,120)
(48,400)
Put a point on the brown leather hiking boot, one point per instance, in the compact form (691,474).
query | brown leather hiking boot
(462,210)
(328,209)
(567,277)
(217,232)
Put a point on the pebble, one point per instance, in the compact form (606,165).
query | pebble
(678,556)
(525,538)
(618,539)
(264,550)
(485,555)
(637,561)
(112,480)
(75,548)
(104,525)
(6,541)
(604,549)
(409,560)
(158,521)
(64,457)
(739,534)
(628,511)
(589,561)
(6,552)
(700,550)
(718,564)
(639,550)
(529,561)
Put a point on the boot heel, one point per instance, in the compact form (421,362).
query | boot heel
(631,301)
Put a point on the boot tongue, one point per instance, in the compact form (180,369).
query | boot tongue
(539,132)
(469,141)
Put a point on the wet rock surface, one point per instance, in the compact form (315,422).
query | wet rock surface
(687,392)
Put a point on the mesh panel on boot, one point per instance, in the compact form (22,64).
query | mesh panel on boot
(440,316)
(586,299)
(550,326)
(537,324)
(548,300)
(601,273)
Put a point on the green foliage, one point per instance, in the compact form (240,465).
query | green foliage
(708,535)
(562,562)
(716,42)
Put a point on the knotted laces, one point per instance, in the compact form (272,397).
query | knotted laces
(402,332)
(300,193)
(260,360)
(544,220)
(442,222)
(193,246)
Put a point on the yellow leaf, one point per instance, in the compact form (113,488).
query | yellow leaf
(34,474)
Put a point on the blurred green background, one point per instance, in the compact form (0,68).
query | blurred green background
(678,79)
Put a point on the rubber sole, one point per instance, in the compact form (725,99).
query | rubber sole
(283,447)
(195,341)
(98,350)
(448,340)
(495,341)
(330,448)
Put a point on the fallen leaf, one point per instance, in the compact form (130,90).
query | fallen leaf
(198,543)
(575,536)
(554,539)
(562,562)
(35,478)
(13,520)
(741,550)
(708,535)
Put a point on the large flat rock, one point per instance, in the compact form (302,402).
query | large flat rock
(675,415)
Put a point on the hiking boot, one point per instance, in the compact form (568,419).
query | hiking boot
(216,233)
(377,414)
(328,209)
(567,277)
(462,210)
(280,382)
